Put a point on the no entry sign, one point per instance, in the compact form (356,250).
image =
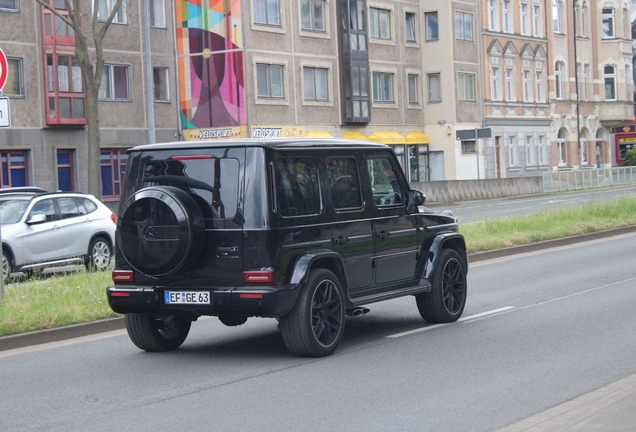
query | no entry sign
(4,69)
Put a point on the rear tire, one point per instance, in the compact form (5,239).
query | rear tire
(7,266)
(315,325)
(99,254)
(445,303)
(146,332)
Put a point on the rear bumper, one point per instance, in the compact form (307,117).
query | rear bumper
(260,301)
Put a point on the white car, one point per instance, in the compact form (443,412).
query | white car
(45,229)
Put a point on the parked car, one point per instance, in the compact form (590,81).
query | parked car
(305,231)
(44,229)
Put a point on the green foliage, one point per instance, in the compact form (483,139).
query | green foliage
(630,158)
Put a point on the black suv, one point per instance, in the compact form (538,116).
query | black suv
(302,230)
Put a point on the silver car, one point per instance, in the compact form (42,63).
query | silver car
(45,229)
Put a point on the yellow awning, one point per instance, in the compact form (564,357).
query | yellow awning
(318,134)
(387,138)
(417,137)
(355,135)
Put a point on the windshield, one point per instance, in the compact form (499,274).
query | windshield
(11,211)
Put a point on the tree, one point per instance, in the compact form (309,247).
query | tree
(630,158)
(91,67)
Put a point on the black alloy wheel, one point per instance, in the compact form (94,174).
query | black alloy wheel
(316,324)
(447,299)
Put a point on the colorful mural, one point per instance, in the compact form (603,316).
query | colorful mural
(210,62)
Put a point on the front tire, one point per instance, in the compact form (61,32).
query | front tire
(99,254)
(150,334)
(445,303)
(315,325)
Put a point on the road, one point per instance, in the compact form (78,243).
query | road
(539,329)
(475,211)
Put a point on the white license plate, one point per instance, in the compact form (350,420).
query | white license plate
(186,297)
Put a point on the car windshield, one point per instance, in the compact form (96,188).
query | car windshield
(11,211)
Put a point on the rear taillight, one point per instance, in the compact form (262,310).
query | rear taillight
(258,276)
(113,218)
(123,276)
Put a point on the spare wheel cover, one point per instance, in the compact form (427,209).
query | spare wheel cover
(160,230)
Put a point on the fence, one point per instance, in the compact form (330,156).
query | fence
(588,179)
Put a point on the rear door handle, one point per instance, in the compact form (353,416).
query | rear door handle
(226,250)
(383,234)
(340,240)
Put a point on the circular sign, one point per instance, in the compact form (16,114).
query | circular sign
(4,69)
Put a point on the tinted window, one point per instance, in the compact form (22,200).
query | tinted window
(213,182)
(70,207)
(297,187)
(384,183)
(344,183)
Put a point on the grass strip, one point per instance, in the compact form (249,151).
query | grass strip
(75,298)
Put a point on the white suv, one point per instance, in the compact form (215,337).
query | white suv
(44,229)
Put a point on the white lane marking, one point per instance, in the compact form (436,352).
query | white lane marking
(434,326)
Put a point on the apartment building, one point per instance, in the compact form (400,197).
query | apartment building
(45,143)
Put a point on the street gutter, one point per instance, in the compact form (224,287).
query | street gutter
(101,326)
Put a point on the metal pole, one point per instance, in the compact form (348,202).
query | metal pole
(477,150)
(576,85)
(150,108)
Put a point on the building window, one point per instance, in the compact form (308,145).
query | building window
(14,168)
(558,79)
(267,12)
(541,149)
(527,87)
(512,150)
(556,16)
(466,86)
(583,25)
(469,147)
(586,73)
(160,84)
(157,13)
(540,87)
(115,83)
(609,74)
(380,23)
(493,15)
(414,92)
(65,89)
(537,22)
(312,14)
(65,180)
(529,151)
(507,16)
(628,83)
(316,87)
(608,23)
(104,8)
(383,87)
(562,148)
(269,80)
(495,84)
(583,150)
(464,26)
(14,85)
(525,18)
(432,30)
(434,87)
(510,84)
(626,26)
(410,26)
(113,167)
(9,5)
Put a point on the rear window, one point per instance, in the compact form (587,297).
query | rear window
(297,187)
(213,181)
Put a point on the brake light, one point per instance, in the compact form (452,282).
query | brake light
(191,157)
(251,296)
(123,276)
(119,294)
(113,218)
(259,276)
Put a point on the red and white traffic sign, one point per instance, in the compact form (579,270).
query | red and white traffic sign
(4,69)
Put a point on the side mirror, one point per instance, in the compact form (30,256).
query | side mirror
(36,219)
(418,198)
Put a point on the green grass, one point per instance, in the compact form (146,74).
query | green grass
(81,297)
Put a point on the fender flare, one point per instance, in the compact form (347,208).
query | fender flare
(452,240)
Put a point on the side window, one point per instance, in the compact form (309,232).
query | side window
(45,207)
(70,208)
(344,183)
(89,205)
(297,187)
(384,182)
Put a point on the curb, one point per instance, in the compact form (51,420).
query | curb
(101,326)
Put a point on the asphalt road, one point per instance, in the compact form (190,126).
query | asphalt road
(475,211)
(539,329)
